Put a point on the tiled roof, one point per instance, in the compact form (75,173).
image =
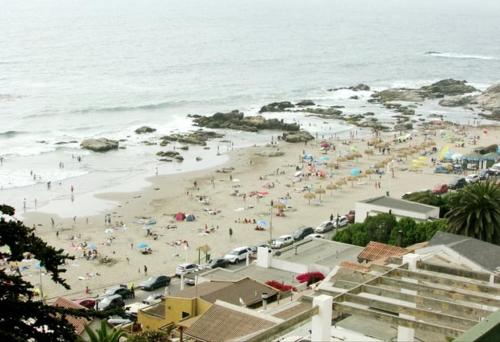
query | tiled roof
(78,323)
(223,324)
(293,311)
(249,290)
(376,250)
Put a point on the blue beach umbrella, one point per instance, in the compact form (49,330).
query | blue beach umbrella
(91,246)
(142,245)
(355,172)
(262,223)
(324,158)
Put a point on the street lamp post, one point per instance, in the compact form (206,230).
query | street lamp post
(271,223)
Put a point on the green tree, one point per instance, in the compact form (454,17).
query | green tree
(409,234)
(21,317)
(427,197)
(475,212)
(379,227)
(104,334)
(149,336)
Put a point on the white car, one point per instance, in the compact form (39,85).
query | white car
(314,236)
(153,299)
(185,268)
(282,241)
(238,254)
(324,227)
(343,221)
(472,178)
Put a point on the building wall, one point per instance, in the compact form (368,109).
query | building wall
(174,309)
(150,322)
(367,209)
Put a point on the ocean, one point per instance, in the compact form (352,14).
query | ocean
(75,69)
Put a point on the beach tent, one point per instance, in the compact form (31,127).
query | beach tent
(355,172)
(190,218)
(91,246)
(308,157)
(262,223)
(142,245)
(180,216)
(324,144)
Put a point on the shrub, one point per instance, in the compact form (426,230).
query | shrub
(310,277)
(280,286)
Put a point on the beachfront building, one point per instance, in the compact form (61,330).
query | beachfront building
(78,323)
(194,301)
(397,207)
(420,294)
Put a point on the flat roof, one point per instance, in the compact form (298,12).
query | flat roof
(395,203)
(321,252)
(253,271)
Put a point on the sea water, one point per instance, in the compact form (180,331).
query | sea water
(77,69)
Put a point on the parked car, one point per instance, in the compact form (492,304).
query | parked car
(185,268)
(314,236)
(441,169)
(282,241)
(457,183)
(351,215)
(301,233)
(485,174)
(218,262)
(495,169)
(324,227)
(342,222)
(238,254)
(190,279)
(153,299)
(88,303)
(120,290)
(154,283)
(472,178)
(440,189)
(109,302)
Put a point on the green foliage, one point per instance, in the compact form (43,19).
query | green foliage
(427,197)
(21,317)
(386,229)
(103,334)
(149,336)
(475,212)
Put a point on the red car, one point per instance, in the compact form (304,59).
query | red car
(89,303)
(440,189)
(350,216)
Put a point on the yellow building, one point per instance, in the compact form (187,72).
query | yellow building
(196,300)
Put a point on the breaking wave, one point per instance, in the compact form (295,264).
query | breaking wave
(458,55)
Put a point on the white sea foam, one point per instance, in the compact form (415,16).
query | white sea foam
(458,55)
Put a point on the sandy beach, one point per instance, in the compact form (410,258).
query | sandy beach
(229,198)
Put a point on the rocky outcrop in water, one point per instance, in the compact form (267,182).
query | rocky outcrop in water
(360,87)
(99,145)
(305,103)
(448,87)
(199,137)
(238,121)
(490,100)
(145,129)
(277,107)
(295,137)
(327,113)
(456,101)
(166,155)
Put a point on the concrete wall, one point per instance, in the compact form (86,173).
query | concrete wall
(363,210)
(288,266)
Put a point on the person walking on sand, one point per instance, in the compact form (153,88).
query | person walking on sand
(230,233)
(72,189)
(145,270)
(52,222)
(24,204)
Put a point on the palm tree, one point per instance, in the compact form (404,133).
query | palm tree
(475,212)
(103,334)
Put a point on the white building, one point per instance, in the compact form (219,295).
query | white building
(397,207)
